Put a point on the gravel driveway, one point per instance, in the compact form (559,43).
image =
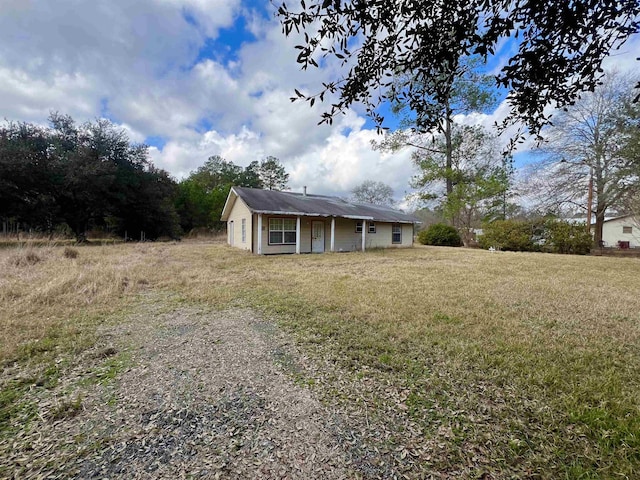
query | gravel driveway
(204,394)
(207,397)
(185,392)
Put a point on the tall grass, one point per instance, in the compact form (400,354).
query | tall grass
(52,291)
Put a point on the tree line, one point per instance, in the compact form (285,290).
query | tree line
(202,195)
(73,178)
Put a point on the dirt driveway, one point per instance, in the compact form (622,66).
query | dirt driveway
(181,392)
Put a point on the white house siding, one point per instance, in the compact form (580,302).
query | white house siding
(612,232)
(407,235)
(383,238)
(347,239)
(239,212)
(305,236)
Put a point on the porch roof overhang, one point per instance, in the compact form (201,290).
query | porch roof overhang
(328,215)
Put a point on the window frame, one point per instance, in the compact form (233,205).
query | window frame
(282,230)
(371,227)
(626,229)
(244,230)
(359,226)
(394,233)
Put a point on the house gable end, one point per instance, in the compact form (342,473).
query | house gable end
(230,203)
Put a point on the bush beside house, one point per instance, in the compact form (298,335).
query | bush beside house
(565,237)
(440,235)
(512,235)
(552,235)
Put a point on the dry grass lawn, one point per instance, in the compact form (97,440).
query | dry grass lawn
(512,364)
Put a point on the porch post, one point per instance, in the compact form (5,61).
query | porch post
(298,234)
(259,234)
(333,234)
(364,229)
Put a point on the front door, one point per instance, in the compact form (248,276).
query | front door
(317,237)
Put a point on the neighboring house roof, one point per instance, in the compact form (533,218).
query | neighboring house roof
(290,203)
(611,219)
(578,220)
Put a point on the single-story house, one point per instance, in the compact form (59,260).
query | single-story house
(270,222)
(622,232)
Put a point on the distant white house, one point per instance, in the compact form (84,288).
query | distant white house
(622,232)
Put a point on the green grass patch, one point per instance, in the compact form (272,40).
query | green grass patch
(13,405)
(109,370)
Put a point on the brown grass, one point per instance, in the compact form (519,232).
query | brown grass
(69,252)
(58,293)
(24,257)
(530,361)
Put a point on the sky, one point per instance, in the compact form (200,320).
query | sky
(192,79)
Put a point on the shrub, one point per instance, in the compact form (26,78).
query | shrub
(564,237)
(70,252)
(511,235)
(440,235)
(24,258)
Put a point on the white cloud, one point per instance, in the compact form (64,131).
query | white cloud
(138,63)
(625,58)
(27,98)
(334,166)
(134,135)
(125,52)
(346,160)
(183,156)
(209,15)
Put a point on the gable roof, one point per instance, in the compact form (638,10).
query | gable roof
(290,203)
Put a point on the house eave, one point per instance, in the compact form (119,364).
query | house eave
(328,215)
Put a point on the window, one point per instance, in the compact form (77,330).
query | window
(244,230)
(358,226)
(396,234)
(282,231)
(627,229)
(372,227)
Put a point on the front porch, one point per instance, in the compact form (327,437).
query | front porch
(277,234)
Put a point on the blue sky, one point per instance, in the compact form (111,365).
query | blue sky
(193,78)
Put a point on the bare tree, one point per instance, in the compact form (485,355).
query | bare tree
(587,154)
(631,149)
(371,191)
